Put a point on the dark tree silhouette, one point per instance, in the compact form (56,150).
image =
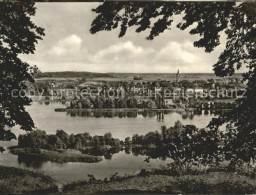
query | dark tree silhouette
(208,20)
(211,18)
(18,35)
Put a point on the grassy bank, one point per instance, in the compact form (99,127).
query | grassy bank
(17,181)
(59,156)
(213,182)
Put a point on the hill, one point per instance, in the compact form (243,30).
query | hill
(170,76)
(72,74)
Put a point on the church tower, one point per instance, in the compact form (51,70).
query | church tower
(178,76)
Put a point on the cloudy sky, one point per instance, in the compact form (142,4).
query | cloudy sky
(69,46)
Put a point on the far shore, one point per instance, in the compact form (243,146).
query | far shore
(123,109)
(129,109)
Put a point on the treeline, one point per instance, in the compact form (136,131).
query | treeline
(99,103)
(157,139)
(183,143)
(194,145)
(123,114)
(175,142)
(39,139)
(70,74)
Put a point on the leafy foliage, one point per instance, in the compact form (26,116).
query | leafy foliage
(18,35)
(39,139)
(208,20)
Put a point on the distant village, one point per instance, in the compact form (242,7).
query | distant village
(218,93)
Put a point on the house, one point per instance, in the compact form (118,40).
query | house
(190,90)
(135,89)
(169,102)
(177,91)
(199,90)
(158,89)
(90,83)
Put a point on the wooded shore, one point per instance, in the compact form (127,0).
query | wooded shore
(120,109)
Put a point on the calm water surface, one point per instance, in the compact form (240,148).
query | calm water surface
(47,119)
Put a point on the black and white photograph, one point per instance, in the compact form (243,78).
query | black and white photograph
(127,97)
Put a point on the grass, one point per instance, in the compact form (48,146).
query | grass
(217,183)
(59,156)
(175,179)
(214,183)
(17,181)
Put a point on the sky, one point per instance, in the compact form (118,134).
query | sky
(69,46)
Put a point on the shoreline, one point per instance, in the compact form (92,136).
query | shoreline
(122,109)
(130,109)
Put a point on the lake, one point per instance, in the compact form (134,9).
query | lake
(121,125)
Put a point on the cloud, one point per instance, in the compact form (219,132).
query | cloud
(176,54)
(67,45)
(122,52)
(129,57)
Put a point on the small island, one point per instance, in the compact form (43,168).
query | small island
(56,148)
(59,156)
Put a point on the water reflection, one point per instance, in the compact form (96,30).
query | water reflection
(121,125)
(38,163)
(159,115)
(150,152)
(106,153)
(31,161)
